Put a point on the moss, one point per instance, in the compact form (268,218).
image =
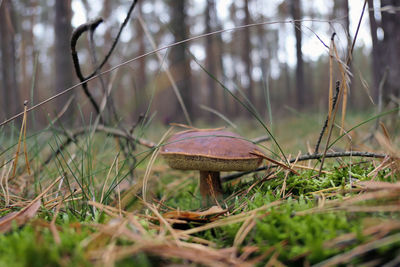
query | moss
(297,238)
(34,246)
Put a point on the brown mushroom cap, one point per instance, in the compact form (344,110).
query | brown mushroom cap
(210,150)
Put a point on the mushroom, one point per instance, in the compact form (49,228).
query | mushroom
(210,152)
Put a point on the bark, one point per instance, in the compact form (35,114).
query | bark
(246,55)
(108,40)
(300,88)
(288,86)
(23,65)
(179,61)
(391,44)
(10,95)
(341,10)
(63,61)
(210,63)
(219,51)
(376,51)
(235,107)
(141,77)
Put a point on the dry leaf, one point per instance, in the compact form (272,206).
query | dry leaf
(21,217)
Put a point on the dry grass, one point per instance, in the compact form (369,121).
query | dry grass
(133,225)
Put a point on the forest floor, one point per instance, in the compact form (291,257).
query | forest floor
(91,205)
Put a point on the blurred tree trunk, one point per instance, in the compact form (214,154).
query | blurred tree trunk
(377,69)
(218,46)
(300,88)
(210,60)
(107,15)
(234,105)
(179,60)
(262,45)
(341,12)
(391,47)
(10,95)
(62,54)
(288,86)
(246,54)
(141,81)
(23,65)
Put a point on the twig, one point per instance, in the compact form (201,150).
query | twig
(128,15)
(75,36)
(74,39)
(309,157)
(91,27)
(343,83)
(327,118)
(261,139)
(92,46)
(71,136)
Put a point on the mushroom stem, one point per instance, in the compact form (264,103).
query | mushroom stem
(210,188)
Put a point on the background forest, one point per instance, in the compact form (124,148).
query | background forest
(92,94)
(278,65)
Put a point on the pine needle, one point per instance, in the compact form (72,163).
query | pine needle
(25,149)
(108,176)
(150,165)
(330,105)
(344,92)
(22,132)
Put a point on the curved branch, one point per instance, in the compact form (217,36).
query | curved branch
(74,39)
(128,15)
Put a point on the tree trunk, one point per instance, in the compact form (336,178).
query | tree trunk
(234,105)
(141,73)
(390,45)
(219,52)
(376,51)
(10,95)
(108,39)
(180,62)
(300,88)
(62,54)
(210,60)
(341,12)
(246,55)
